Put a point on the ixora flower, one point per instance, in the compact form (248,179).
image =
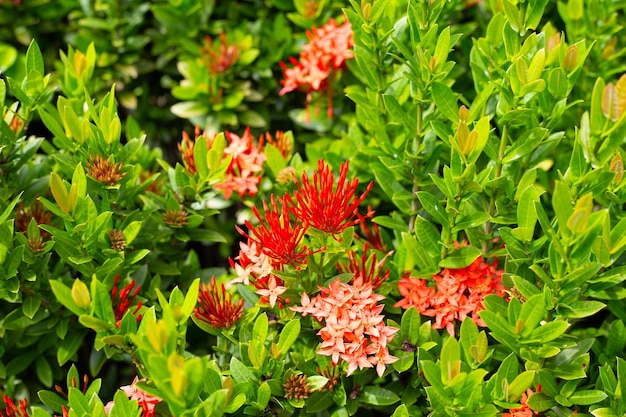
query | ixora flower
(104,170)
(218,59)
(366,270)
(186,148)
(327,206)
(146,401)
(122,299)
(277,236)
(14,410)
(320,60)
(243,173)
(458,293)
(524,410)
(353,330)
(216,306)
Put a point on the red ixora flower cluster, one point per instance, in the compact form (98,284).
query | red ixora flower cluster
(13,410)
(122,299)
(276,240)
(216,306)
(353,330)
(458,293)
(366,270)
(146,401)
(320,59)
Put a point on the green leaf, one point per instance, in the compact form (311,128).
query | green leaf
(378,396)
(263,395)
(587,397)
(44,371)
(200,151)
(288,336)
(34,59)
(538,401)
(433,207)
(59,192)
(410,325)
(64,294)
(31,304)
(399,114)
(391,187)
(548,332)
(533,311)
(520,384)
(69,346)
(52,400)
(240,372)
(445,101)
(260,328)
(460,258)
(443,46)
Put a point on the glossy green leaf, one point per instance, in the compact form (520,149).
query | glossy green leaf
(445,101)
(288,336)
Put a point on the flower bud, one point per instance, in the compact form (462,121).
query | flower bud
(80,294)
(617,166)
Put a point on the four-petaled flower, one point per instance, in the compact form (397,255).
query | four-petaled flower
(327,206)
(216,306)
(273,291)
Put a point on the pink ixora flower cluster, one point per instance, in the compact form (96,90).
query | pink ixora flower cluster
(353,330)
(320,59)
(276,240)
(146,401)
(458,293)
(243,175)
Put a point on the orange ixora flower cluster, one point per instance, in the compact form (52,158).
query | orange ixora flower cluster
(243,175)
(276,241)
(458,293)
(320,60)
(146,401)
(353,330)
(524,410)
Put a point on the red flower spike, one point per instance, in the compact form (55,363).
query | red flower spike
(328,207)
(277,237)
(372,273)
(13,410)
(216,306)
(123,299)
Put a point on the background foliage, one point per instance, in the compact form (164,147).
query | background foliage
(492,131)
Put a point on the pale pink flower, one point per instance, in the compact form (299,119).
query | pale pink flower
(273,291)
(354,330)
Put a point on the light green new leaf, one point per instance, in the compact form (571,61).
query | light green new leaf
(445,101)
(288,336)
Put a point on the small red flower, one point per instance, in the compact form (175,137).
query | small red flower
(328,207)
(216,306)
(13,410)
(123,299)
(277,236)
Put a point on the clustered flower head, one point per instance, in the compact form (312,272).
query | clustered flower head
(104,170)
(243,174)
(122,300)
(353,330)
(296,387)
(219,59)
(327,206)
(458,293)
(216,306)
(146,401)
(320,60)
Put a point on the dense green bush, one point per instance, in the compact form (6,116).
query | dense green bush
(392,207)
